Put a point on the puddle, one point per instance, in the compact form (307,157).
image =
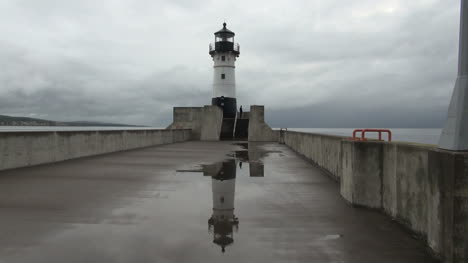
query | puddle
(244,145)
(245,163)
(242,156)
(223,221)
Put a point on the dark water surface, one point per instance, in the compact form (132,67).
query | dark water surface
(191,202)
(416,135)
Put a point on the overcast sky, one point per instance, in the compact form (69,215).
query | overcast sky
(313,63)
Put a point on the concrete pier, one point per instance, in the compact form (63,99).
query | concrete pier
(423,188)
(153,205)
(20,149)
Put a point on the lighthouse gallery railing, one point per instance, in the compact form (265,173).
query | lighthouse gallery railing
(225,46)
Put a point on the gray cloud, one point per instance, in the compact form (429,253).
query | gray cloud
(312,63)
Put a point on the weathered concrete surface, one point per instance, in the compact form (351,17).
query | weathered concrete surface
(324,150)
(413,197)
(205,122)
(20,149)
(423,188)
(188,118)
(133,207)
(212,121)
(362,173)
(259,131)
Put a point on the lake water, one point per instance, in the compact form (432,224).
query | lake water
(426,136)
(70,128)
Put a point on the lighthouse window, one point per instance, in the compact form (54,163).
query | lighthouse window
(223,76)
(223,58)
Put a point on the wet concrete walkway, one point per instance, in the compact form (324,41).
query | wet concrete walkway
(191,202)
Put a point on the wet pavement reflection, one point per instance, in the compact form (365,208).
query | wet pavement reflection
(223,222)
(191,202)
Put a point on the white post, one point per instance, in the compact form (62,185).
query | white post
(455,133)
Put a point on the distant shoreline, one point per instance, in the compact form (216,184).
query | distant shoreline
(26,121)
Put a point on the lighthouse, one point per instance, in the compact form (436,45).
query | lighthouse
(224,52)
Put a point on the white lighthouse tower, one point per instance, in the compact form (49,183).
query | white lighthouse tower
(224,53)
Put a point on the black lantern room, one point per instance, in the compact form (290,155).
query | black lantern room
(224,41)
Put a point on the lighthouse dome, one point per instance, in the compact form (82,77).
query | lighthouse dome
(224,42)
(224,32)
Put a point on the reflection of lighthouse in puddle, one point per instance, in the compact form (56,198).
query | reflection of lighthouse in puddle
(223,221)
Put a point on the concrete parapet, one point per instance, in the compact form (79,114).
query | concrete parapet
(423,188)
(205,122)
(361,180)
(258,129)
(188,118)
(324,150)
(212,121)
(20,149)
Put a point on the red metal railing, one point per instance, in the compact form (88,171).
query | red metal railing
(364,131)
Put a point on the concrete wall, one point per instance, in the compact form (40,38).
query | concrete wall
(212,121)
(20,149)
(324,150)
(188,118)
(205,122)
(423,188)
(258,129)
(361,178)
